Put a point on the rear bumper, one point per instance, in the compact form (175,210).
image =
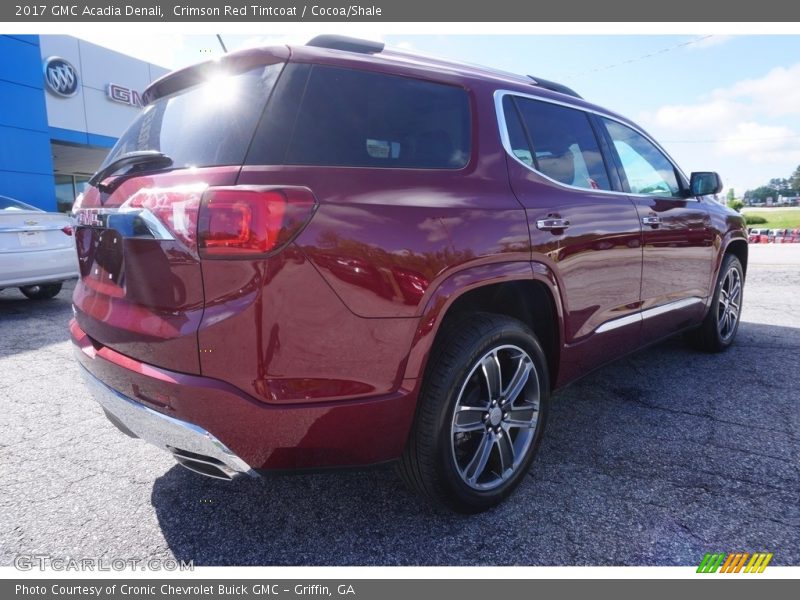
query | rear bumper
(42,266)
(205,418)
(193,447)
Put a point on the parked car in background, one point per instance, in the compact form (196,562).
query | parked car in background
(37,249)
(340,255)
(780,236)
(758,236)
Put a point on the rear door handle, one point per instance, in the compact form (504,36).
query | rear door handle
(652,221)
(552,223)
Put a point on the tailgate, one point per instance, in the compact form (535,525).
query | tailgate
(141,288)
(140,292)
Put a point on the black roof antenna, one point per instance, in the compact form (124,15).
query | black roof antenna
(221,43)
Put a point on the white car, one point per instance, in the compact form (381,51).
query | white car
(37,249)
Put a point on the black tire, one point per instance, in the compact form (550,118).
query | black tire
(712,335)
(438,460)
(43,291)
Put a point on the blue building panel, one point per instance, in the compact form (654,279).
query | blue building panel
(22,106)
(33,188)
(26,161)
(69,136)
(28,39)
(23,150)
(22,61)
(101,141)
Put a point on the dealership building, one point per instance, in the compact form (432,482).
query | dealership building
(63,104)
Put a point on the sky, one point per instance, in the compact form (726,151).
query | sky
(725,103)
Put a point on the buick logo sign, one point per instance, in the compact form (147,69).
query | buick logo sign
(61,77)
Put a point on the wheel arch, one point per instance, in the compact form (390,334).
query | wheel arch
(524,291)
(739,248)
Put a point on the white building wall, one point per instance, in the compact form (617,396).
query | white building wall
(67,113)
(90,110)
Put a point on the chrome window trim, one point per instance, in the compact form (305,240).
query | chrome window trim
(505,140)
(646,314)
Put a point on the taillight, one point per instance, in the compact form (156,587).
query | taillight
(223,222)
(251,221)
(175,208)
(67,229)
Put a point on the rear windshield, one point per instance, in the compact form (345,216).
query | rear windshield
(206,125)
(331,116)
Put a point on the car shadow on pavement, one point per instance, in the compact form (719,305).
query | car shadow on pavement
(653,460)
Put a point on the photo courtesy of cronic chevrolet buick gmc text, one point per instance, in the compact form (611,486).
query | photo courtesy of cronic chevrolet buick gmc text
(340,255)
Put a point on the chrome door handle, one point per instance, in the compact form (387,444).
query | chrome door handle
(652,221)
(552,223)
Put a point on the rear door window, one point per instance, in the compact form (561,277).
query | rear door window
(557,141)
(352,118)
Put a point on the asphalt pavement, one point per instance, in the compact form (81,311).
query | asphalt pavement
(653,460)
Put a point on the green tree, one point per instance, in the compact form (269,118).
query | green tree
(762,193)
(736,205)
(780,184)
(795,180)
(731,195)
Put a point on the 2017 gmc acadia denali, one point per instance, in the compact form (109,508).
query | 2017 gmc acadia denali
(340,255)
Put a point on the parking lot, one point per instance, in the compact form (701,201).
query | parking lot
(653,460)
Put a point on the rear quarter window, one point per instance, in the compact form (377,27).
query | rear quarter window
(352,118)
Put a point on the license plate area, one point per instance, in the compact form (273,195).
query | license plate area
(29,239)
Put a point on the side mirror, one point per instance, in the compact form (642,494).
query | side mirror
(704,183)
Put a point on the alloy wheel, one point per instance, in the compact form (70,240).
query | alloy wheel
(495,417)
(730,302)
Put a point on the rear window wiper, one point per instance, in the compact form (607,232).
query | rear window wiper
(158,160)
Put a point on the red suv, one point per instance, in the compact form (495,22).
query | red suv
(339,255)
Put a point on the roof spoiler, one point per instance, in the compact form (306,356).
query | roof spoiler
(348,44)
(555,87)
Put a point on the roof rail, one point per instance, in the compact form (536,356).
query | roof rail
(349,44)
(554,87)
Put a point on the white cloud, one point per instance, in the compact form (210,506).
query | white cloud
(747,129)
(716,114)
(761,143)
(776,94)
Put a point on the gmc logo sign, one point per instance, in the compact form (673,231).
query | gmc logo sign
(123,95)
